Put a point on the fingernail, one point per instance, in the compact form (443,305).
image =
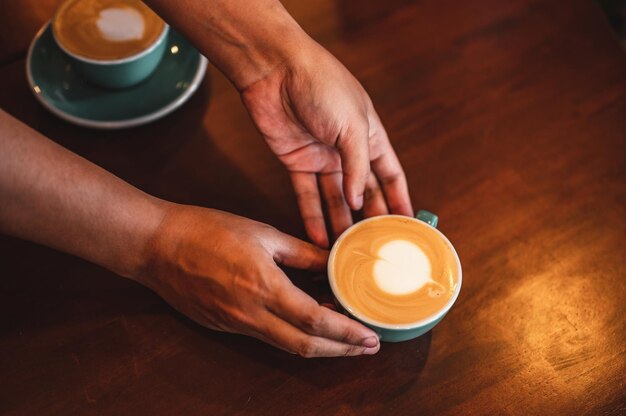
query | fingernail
(370,342)
(371,351)
(358,202)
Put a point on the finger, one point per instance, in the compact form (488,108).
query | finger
(293,252)
(310,204)
(353,147)
(281,334)
(393,181)
(374,199)
(302,311)
(338,210)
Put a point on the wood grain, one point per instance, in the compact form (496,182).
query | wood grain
(510,120)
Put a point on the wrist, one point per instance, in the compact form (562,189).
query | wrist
(138,252)
(162,257)
(265,50)
(245,40)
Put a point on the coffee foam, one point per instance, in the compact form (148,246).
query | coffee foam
(394,270)
(402,268)
(120,24)
(106,29)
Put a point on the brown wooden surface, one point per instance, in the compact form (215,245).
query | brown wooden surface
(510,120)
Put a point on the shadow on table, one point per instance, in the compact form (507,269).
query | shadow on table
(401,362)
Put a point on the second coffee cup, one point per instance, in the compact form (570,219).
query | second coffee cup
(113,43)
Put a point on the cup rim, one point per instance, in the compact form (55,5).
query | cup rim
(411,325)
(124,60)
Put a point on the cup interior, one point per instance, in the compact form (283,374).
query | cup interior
(130,58)
(413,325)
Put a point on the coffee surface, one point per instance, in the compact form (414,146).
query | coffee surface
(106,29)
(395,270)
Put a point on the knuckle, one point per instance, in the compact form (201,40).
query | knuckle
(359,129)
(266,228)
(371,192)
(312,322)
(313,218)
(232,319)
(389,179)
(242,320)
(267,289)
(352,350)
(335,200)
(392,178)
(347,335)
(273,294)
(306,196)
(307,349)
(261,294)
(257,289)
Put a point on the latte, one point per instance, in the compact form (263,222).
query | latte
(106,29)
(394,270)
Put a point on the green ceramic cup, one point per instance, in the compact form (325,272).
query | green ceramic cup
(392,332)
(120,73)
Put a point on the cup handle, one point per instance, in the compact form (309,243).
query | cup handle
(428,217)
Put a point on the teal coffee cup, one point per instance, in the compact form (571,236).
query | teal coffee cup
(391,332)
(122,72)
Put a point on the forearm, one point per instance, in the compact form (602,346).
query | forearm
(56,198)
(245,39)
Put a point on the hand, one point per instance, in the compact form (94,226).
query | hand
(312,112)
(319,121)
(222,271)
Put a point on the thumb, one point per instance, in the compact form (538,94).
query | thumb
(353,148)
(293,252)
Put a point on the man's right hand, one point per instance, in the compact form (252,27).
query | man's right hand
(221,270)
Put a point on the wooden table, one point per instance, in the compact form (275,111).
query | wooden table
(510,120)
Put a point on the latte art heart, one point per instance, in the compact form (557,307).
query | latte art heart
(120,24)
(401,268)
